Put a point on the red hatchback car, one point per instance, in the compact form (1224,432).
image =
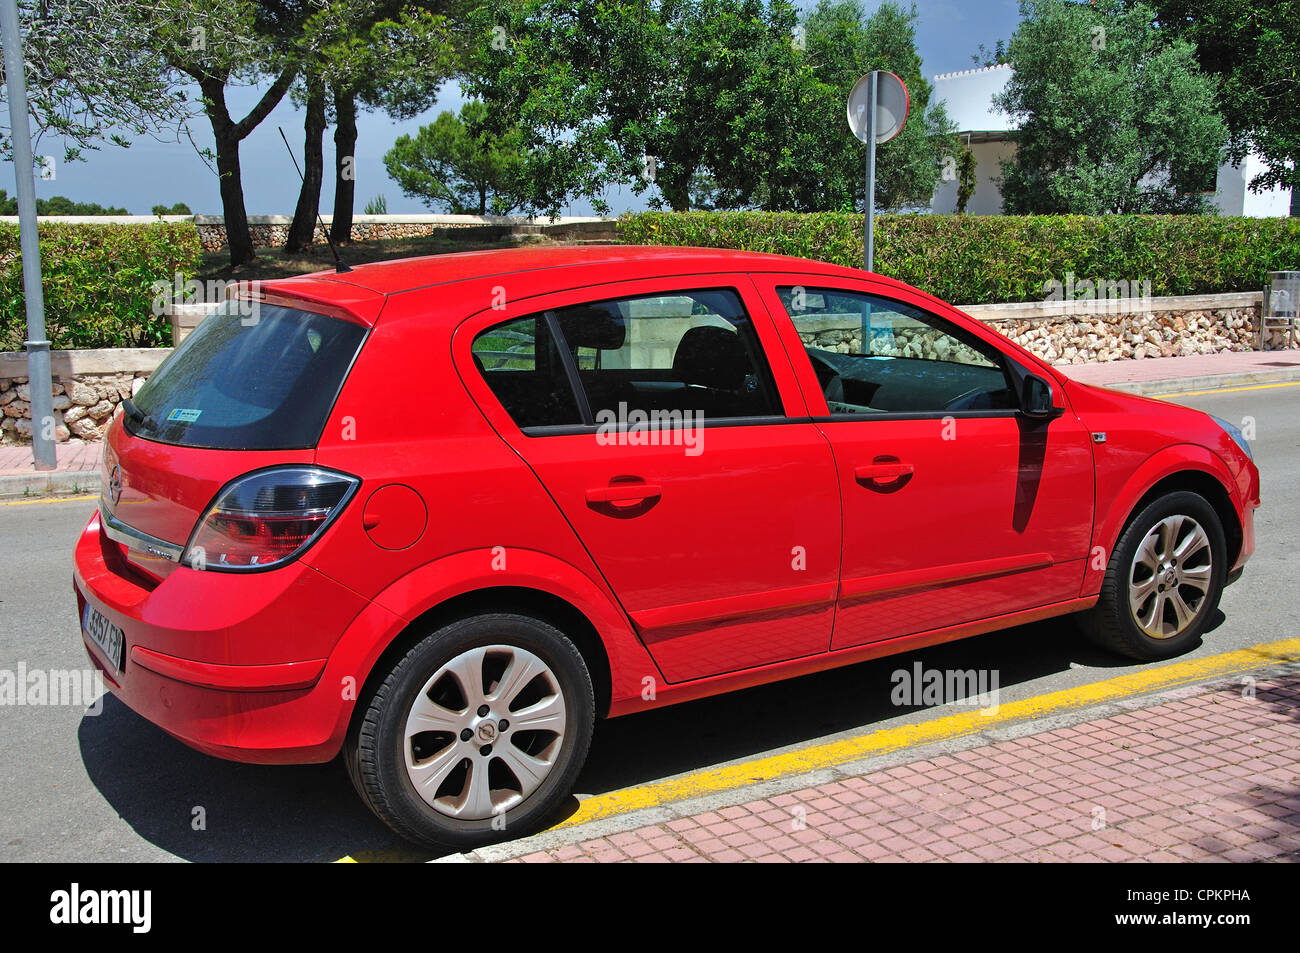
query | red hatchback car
(442,514)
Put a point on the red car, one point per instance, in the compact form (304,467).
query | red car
(442,514)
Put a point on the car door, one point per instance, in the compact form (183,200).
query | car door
(664,419)
(957,507)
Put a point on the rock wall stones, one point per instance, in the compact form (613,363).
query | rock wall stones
(1117,337)
(83,406)
(1063,338)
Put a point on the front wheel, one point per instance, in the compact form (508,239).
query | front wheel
(478,733)
(1163,580)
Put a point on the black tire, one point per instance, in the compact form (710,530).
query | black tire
(375,751)
(1111,623)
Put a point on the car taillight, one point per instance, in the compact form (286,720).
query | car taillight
(266,518)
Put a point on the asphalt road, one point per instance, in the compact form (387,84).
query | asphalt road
(111,787)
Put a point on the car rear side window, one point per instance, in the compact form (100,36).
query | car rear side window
(525,372)
(649,357)
(241,381)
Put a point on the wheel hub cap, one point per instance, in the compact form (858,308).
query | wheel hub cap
(484,732)
(1170,576)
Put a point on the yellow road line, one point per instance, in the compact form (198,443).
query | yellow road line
(848,750)
(1224,390)
(50,499)
(888,740)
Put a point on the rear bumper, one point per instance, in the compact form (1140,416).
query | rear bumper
(233,665)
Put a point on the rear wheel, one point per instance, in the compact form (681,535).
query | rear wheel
(1163,580)
(478,733)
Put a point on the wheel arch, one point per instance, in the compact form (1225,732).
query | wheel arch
(521,600)
(1189,468)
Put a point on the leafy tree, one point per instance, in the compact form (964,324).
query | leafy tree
(1254,50)
(397,62)
(966,180)
(84,92)
(180,208)
(391,54)
(984,57)
(1115,115)
(377,206)
(844,43)
(735,104)
(223,43)
(459,165)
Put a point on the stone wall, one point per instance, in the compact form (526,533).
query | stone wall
(1116,330)
(88,387)
(1089,331)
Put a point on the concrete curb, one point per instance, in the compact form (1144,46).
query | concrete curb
(22,486)
(664,813)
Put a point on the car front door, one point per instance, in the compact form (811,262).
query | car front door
(957,506)
(664,419)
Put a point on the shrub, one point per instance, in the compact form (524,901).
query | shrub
(970,259)
(98,282)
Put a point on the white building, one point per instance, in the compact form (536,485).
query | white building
(968,96)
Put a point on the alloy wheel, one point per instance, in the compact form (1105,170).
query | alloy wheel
(1170,576)
(484,732)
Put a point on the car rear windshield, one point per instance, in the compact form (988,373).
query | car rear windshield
(248,379)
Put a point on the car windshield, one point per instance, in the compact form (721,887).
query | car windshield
(241,381)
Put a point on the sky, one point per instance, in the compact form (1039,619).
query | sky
(151,173)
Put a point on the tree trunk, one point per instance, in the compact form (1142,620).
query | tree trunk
(239,238)
(313,173)
(234,216)
(228,135)
(345,165)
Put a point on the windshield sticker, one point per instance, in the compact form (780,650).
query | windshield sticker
(184,414)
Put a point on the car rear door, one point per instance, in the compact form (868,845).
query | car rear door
(684,459)
(957,507)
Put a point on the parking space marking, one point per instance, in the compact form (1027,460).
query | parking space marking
(50,499)
(885,741)
(1224,390)
(715,781)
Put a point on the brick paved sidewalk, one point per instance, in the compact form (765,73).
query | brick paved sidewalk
(1195,371)
(1211,776)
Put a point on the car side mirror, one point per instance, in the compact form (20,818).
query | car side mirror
(1036,397)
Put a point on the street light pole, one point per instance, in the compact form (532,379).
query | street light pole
(38,348)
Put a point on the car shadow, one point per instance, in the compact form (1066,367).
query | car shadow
(739,725)
(201,808)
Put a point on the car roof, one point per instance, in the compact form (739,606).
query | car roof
(407,274)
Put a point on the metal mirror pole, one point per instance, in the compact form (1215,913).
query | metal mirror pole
(869,225)
(38,348)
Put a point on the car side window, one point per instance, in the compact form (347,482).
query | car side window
(524,371)
(873,355)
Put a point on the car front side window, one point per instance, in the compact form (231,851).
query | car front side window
(874,355)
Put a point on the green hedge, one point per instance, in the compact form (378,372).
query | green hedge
(970,259)
(98,282)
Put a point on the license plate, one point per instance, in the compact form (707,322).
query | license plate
(103,633)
